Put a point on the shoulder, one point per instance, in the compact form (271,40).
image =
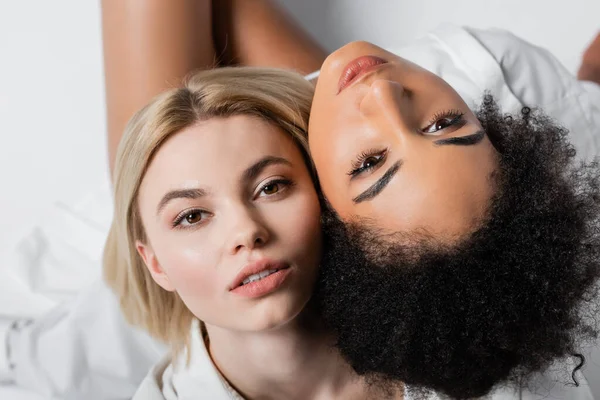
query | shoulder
(539,80)
(535,75)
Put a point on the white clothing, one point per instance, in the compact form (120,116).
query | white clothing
(83,348)
(202,381)
(176,381)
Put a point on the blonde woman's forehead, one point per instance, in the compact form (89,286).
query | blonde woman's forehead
(218,140)
(216,154)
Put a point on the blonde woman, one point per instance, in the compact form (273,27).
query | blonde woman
(217,220)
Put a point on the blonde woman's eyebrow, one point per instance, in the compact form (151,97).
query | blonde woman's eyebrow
(255,169)
(249,174)
(179,194)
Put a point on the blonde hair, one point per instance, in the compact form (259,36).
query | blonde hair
(280,97)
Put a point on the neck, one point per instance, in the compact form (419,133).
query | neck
(295,361)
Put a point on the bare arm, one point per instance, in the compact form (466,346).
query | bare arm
(149,46)
(260,33)
(590,65)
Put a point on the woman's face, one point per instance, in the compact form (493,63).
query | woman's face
(233,223)
(395,144)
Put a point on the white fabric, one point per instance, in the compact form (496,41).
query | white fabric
(5,370)
(178,381)
(79,346)
(83,349)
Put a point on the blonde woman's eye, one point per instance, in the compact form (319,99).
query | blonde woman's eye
(271,188)
(193,217)
(274,187)
(190,218)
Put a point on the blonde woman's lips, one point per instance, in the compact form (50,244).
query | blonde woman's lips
(260,278)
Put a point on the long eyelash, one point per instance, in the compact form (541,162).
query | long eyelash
(356,164)
(182,215)
(282,181)
(455,114)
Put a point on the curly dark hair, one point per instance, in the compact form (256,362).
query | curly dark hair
(504,303)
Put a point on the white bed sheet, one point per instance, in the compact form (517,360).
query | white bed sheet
(14,393)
